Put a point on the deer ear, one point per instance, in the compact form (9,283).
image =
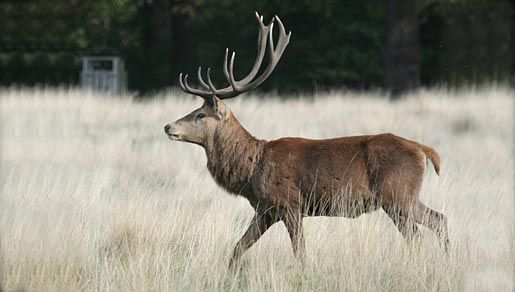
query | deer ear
(219,108)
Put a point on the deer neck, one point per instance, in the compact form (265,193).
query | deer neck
(232,156)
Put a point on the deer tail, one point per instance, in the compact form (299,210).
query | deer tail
(432,155)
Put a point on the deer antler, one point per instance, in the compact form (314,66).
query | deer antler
(248,83)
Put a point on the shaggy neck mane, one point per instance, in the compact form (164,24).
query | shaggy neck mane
(232,156)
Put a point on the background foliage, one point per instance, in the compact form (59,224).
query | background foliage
(334,43)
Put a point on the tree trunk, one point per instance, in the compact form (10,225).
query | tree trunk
(402,56)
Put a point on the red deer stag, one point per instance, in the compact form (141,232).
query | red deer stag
(290,178)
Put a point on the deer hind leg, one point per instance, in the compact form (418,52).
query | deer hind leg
(433,220)
(399,188)
(260,223)
(397,199)
(404,222)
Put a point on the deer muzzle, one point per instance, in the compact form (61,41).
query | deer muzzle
(172,133)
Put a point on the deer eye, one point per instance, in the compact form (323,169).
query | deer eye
(200,117)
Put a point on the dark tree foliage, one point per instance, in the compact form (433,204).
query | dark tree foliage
(469,42)
(402,57)
(334,43)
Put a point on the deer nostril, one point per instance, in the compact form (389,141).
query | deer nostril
(167,127)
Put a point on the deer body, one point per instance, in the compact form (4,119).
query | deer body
(344,176)
(291,178)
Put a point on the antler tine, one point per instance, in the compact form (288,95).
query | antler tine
(200,80)
(261,27)
(282,31)
(210,83)
(230,76)
(181,83)
(271,40)
(187,88)
(226,72)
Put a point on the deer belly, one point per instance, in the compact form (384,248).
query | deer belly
(346,202)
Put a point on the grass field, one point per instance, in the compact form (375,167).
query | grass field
(95,197)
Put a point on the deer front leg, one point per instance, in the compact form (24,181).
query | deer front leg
(260,223)
(293,222)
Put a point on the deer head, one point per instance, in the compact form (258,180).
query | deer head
(201,124)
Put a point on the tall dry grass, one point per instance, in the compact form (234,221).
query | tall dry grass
(95,197)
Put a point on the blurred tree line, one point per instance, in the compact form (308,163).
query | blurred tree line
(397,44)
